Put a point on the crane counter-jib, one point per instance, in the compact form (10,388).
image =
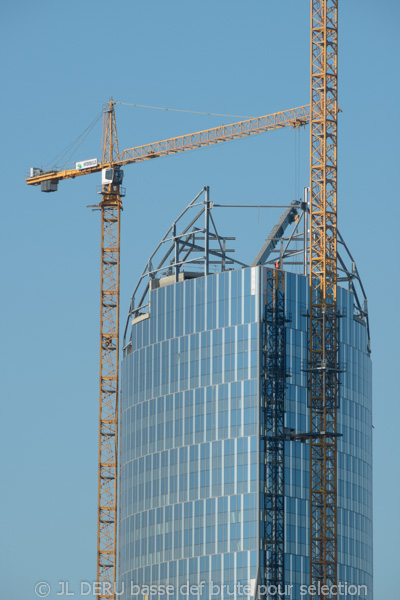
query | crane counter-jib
(60,175)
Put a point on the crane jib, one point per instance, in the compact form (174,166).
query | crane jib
(294,117)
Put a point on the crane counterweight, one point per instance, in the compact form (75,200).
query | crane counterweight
(49,186)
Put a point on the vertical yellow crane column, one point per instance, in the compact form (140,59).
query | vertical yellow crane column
(110,206)
(323,321)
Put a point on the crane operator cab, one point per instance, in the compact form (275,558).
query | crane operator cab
(111,175)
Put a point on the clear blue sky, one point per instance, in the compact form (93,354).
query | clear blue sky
(60,63)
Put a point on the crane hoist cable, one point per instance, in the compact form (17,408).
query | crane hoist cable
(73,146)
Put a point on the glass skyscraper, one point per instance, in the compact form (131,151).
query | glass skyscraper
(193,453)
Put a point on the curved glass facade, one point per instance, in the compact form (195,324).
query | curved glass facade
(191,475)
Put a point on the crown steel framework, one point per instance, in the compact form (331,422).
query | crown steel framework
(323,342)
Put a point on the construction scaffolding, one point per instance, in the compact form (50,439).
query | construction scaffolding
(273,381)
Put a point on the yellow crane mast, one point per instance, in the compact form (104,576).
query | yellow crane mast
(323,316)
(111,206)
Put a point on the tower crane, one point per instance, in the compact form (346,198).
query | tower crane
(323,315)
(110,206)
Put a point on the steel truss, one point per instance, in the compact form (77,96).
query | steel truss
(323,319)
(191,247)
(110,206)
(290,250)
(295,117)
(273,403)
